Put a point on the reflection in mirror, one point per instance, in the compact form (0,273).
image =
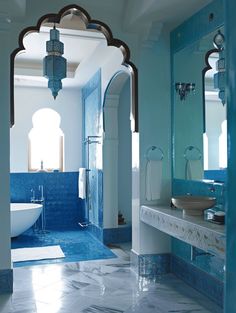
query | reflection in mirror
(199,110)
(215,136)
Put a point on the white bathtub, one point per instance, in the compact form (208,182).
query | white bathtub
(23,216)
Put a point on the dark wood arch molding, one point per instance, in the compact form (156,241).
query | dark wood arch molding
(90,24)
(207,68)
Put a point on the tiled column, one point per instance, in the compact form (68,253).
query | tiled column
(230,288)
(5,258)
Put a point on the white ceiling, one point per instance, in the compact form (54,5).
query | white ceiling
(147,17)
(78,47)
(167,12)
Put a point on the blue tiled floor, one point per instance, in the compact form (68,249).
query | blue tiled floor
(76,245)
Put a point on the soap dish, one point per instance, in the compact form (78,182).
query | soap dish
(218,218)
(216,222)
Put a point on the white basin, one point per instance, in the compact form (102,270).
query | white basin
(193,205)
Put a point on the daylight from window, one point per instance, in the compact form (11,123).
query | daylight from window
(46,141)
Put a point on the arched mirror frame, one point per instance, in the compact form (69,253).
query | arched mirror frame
(90,24)
(207,68)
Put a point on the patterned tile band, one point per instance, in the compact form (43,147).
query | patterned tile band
(192,229)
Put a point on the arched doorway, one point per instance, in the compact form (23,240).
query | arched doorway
(86,23)
(89,24)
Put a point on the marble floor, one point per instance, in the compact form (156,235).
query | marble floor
(100,286)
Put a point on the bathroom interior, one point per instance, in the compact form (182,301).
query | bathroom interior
(156,180)
(71,155)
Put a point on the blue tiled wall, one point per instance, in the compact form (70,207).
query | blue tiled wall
(216,175)
(211,266)
(151,265)
(117,235)
(212,287)
(62,206)
(6,281)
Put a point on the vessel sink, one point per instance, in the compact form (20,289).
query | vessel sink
(193,205)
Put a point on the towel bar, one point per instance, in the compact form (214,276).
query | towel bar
(152,148)
(190,151)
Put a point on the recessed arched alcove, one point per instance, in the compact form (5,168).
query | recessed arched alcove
(117,173)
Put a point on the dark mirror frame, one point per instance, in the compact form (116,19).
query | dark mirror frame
(90,24)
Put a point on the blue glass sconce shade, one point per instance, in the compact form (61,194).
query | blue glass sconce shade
(54,65)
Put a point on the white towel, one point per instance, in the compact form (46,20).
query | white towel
(82,183)
(153,179)
(194,170)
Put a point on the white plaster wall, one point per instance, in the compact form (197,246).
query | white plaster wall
(110,162)
(68,104)
(155,129)
(124,154)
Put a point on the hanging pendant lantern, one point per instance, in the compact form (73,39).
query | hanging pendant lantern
(54,65)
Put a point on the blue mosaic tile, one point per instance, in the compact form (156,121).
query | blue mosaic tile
(216,175)
(63,208)
(117,235)
(76,245)
(151,265)
(6,281)
(96,231)
(202,281)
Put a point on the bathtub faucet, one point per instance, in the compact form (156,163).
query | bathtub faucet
(32,199)
(41,193)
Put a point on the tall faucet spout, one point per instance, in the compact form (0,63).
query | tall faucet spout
(41,192)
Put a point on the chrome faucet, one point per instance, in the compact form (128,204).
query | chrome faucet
(212,188)
(41,193)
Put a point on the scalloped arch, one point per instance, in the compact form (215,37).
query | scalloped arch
(90,24)
(207,68)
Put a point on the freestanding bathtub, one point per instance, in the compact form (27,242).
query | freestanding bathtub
(23,216)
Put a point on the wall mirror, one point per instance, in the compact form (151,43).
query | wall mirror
(199,117)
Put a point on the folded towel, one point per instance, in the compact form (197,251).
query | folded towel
(153,179)
(194,170)
(82,183)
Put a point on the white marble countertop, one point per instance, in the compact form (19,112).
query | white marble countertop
(193,230)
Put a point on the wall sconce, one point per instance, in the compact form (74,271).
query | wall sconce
(183,89)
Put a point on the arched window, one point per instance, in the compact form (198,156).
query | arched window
(46,141)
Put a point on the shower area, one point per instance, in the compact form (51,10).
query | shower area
(92,151)
(107,158)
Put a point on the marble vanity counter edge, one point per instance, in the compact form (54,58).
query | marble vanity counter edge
(191,229)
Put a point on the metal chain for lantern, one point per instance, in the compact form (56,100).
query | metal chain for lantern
(54,65)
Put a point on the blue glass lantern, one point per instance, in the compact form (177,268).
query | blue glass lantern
(54,65)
